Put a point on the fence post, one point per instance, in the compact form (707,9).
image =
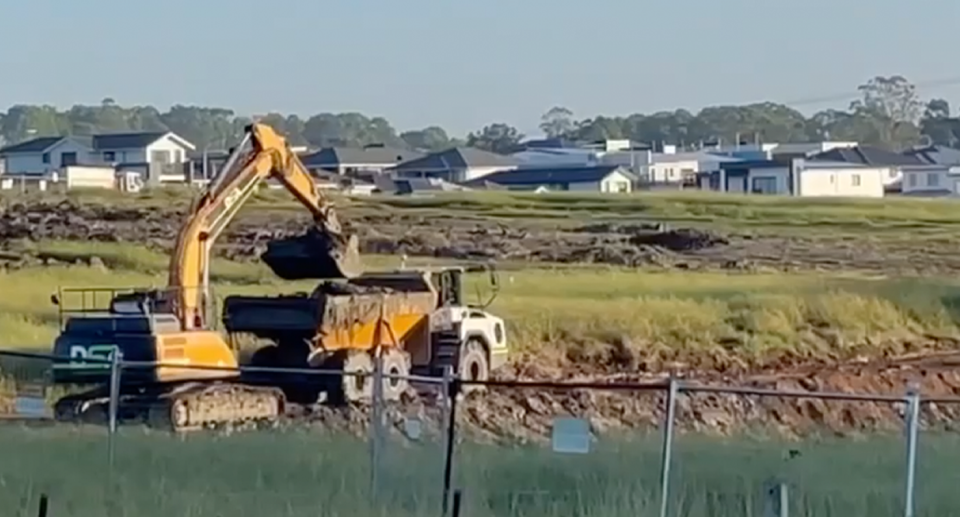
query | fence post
(913,428)
(667,452)
(116,366)
(451,386)
(376,427)
(778,499)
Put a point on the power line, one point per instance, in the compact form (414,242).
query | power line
(823,99)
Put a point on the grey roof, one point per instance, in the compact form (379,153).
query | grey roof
(125,140)
(457,158)
(34,145)
(550,175)
(935,155)
(866,155)
(345,156)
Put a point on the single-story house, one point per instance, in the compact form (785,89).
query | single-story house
(456,165)
(158,156)
(353,160)
(598,178)
(938,174)
(869,156)
(797,177)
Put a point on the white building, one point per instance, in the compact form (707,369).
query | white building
(158,156)
(937,174)
(599,178)
(797,177)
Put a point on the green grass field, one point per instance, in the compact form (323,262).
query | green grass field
(298,472)
(579,309)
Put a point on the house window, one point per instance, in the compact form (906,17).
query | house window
(764,185)
(109,156)
(933,179)
(855,179)
(46,157)
(912,179)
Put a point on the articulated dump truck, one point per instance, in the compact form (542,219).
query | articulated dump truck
(415,320)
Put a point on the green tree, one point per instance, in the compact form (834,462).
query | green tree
(498,138)
(557,122)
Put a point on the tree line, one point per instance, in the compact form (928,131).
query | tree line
(888,113)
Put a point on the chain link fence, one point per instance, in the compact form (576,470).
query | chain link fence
(447,449)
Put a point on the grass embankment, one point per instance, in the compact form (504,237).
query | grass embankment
(297,472)
(576,311)
(890,217)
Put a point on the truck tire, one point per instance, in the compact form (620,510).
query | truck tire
(395,363)
(474,364)
(353,388)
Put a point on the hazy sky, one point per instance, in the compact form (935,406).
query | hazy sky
(464,64)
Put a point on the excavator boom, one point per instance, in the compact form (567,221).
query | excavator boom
(323,252)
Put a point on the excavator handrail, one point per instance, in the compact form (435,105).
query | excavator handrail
(262,154)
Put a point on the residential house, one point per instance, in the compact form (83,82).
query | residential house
(797,177)
(892,163)
(598,178)
(157,156)
(456,165)
(681,168)
(354,160)
(938,174)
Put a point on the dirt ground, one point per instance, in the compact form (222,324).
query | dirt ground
(479,238)
(520,413)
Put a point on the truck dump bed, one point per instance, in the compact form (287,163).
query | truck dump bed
(338,316)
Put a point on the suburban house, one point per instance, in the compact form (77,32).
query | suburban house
(598,178)
(892,163)
(681,168)
(456,165)
(157,156)
(797,177)
(937,174)
(353,160)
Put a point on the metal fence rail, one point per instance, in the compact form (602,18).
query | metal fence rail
(451,386)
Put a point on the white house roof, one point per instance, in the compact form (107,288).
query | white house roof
(696,156)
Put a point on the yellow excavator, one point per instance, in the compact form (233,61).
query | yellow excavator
(415,320)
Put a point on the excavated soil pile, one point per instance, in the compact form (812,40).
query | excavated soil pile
(479,238)
(527,414)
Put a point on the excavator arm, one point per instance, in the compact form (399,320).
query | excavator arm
(323,252)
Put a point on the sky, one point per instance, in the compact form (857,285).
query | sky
(463,65)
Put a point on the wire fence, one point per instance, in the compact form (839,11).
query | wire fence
(420,452)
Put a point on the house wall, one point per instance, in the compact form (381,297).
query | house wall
(32,163)
(170,168)
(671,172)
(478,172)
(844,182)
(928,180)
(772,180)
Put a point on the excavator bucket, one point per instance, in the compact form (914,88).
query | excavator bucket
(314,255)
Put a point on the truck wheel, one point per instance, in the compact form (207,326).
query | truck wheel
(357,387)
(474,365)
(394,363)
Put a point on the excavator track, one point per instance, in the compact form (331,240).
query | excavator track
(181,407)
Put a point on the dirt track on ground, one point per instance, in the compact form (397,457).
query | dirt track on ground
(527,413)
